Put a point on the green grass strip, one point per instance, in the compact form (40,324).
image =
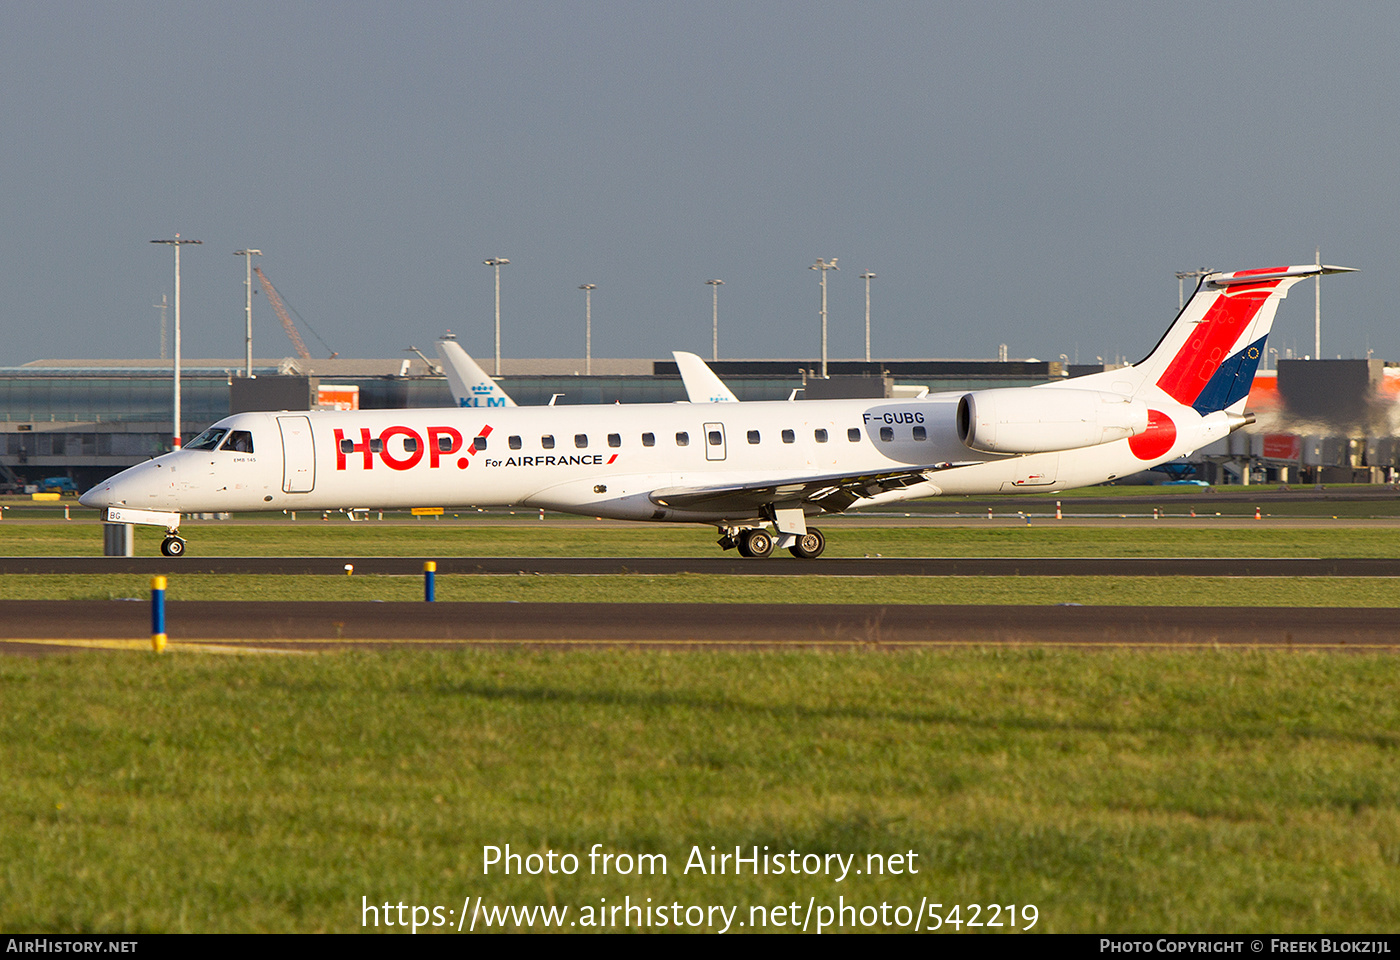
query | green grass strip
(845,538)
(701,588)
(1142,791)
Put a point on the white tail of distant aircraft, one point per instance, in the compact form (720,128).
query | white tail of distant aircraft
(474,387)
(471,386)
(740,467)
(701,384)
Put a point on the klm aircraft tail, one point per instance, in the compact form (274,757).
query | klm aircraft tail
(471,387)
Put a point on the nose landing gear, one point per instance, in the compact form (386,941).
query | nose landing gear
(172,546)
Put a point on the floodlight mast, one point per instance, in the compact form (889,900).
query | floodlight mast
(714,336)
(588,289)
(824,266)
(496,263)
(867,276)
(177,243)
(1188,275)
(248,256)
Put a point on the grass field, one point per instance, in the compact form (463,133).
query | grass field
(701,588)
(1224,791)
(583,538)
(1138,791)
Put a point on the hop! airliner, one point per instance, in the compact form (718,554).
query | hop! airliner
(756,471)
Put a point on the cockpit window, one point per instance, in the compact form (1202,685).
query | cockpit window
(239,441)
(207,440)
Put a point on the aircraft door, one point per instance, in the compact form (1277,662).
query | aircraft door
(298,455)
(714,441)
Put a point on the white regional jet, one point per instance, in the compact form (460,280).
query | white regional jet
(741,467)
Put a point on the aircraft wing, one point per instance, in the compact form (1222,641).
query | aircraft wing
(833,492)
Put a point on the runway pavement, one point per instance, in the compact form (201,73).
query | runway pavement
(35,626)
(727,565)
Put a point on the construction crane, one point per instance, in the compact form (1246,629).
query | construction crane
(279,308)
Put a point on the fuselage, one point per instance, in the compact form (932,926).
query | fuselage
(601,460)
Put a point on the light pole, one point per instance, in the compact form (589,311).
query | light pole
(1317,310)
(177,243)
(824,266)
(867,276)
(714,336)
(497,263)
(588,289)
(248,256)
(164,352)
(1188,275)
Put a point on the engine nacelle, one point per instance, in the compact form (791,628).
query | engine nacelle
(1023,420)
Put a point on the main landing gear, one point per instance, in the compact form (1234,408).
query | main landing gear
(757,543)
(172,546)
(809,546)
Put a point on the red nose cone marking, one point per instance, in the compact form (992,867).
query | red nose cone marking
(1156,440)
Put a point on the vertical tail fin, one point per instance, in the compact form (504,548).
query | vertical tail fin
(701,383)
(1207,358)
(471,387)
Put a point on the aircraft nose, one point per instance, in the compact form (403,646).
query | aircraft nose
(98,496)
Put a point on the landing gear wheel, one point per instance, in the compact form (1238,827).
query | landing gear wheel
(809,546)
(172,547)
(756,543)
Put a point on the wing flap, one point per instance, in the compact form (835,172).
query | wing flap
(832,493)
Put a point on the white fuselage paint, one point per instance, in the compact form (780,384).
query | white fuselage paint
(296,463)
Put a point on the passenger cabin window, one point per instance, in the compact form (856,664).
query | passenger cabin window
(648,439)
(920,433)
(753,436)
(716,438)
(410,444)
(239,441)
(614,439)
(547,442)
(789,437)
(376,445)
(853,434)
(581,440)
(682,439)
(512,442)
(887,434)
(445,444)
(819,435)
(479,444)
(207,440)
(347,445)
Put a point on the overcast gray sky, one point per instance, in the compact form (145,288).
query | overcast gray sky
(1020,173)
